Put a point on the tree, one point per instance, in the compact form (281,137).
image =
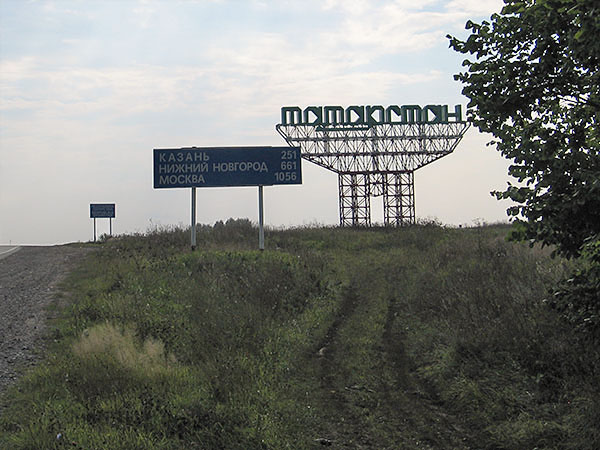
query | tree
(535,86)
(533,82)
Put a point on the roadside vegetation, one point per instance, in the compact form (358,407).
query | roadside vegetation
(418,337)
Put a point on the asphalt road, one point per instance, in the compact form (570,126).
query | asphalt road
(6,250)
(29,283)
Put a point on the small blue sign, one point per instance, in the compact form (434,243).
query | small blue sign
(226,166)
(102,210)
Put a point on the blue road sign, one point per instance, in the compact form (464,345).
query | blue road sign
(102,210)
(226,166)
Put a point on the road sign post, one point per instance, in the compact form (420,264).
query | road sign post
(226,167)
(261,219)
(193,226)
(102,210)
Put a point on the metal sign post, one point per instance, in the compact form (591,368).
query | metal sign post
(261,220)
(193,227)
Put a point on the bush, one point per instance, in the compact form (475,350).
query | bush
(578,297)
(423,336)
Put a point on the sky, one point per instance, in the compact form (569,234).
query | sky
(88,88)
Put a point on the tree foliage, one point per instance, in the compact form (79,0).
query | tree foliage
(533,81)
(534,84)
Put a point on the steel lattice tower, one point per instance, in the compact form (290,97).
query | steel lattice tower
(372,160)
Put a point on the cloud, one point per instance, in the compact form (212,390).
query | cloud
(87,89)
(251,79)
(27,84)
(248,76)
(250,67)
(401,26)
(472,8)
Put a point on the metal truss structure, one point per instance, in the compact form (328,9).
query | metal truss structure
(375,160)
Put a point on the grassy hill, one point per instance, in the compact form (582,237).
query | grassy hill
(420,337)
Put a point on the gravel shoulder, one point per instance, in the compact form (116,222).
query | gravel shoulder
(29,280)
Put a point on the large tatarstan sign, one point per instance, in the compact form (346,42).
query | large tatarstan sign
(369,115)
(226,166)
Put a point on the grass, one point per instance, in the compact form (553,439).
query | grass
(419,337)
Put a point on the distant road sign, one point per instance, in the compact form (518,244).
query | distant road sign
(102,210)
(226,166)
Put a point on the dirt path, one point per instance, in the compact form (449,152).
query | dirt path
(28,284)
(368,395)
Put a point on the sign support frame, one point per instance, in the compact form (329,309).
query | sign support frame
(193,224)
(261,219)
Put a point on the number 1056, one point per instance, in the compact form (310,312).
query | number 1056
(286,176)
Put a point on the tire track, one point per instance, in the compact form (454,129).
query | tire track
(382,405)
(343,426)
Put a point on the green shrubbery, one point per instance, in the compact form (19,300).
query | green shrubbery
(386,338)
(532,76)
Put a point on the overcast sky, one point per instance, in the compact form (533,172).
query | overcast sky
(88,88)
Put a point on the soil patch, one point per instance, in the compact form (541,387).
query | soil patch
(29,282)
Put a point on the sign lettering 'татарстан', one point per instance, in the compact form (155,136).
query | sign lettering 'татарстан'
(226,166)
(369,115)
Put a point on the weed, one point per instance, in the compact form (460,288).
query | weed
(423,336)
